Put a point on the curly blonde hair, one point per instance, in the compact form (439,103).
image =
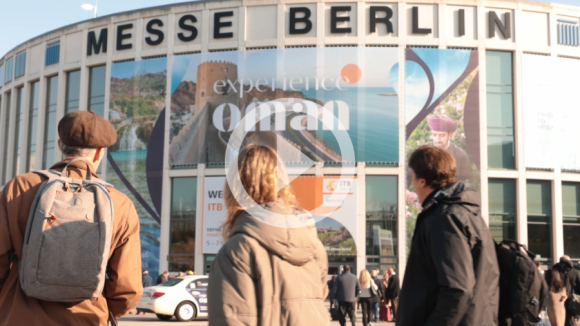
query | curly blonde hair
(258,168)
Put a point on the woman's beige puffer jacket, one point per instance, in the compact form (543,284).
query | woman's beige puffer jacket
(267,275)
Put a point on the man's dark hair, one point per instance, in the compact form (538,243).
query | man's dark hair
(145,271)
(437,166)
(537,262)
(347,268)
(376,269)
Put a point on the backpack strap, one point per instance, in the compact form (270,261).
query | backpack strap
(49,174)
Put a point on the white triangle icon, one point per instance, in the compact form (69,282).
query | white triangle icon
(289,152)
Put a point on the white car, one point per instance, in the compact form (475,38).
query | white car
(183,297)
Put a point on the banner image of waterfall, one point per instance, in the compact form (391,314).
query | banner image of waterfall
(136,109)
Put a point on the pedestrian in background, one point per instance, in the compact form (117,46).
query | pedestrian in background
(272,269)
(163,277)
(346,291)
(377,297)
(555,301)
(539,266)
(392,290)
(368,290)
(452,273)
(569,277)
(146,279)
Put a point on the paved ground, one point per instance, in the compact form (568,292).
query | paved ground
(151,320)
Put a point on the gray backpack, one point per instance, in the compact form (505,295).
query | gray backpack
(67,239)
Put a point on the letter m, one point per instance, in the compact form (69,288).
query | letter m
(97,46)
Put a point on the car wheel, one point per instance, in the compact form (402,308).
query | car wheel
(186,311)
(164,317)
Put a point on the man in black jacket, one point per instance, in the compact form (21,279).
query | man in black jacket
(376,298)
(346,290)
(452,274)
(163,278)
(392,291)
(569,276)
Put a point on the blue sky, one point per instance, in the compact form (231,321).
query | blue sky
(25,19)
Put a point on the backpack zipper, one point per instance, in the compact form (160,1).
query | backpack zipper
(36,206)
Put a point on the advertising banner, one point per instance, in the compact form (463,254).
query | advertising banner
(214,212)
(551,113)
(137,110)
(212,92)
(442,109)
(337,231)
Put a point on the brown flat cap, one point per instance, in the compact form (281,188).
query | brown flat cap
(86,129)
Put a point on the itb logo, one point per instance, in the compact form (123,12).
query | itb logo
(309,116)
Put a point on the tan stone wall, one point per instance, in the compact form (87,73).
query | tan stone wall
(207,74)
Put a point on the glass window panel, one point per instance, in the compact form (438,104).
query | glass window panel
(1,75)
(5,178)
(540,239)
(539,195)
(8,70)
(50,122)
(183,209)
(32,125)
(571,199)
(20,65)
(502,209)
(539,205)
(381,216)
(97,90)
(181,266)
(19,129)
(572,240)
(73,91)
(499,67)
(500,118)
(571,212)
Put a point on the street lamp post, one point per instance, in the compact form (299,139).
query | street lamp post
(87,6)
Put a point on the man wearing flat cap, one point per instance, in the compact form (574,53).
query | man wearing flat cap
(442,130)
(85,136)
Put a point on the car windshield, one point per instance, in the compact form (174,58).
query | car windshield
(171,282)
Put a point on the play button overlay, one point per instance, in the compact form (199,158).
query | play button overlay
(298,115)
(288,152)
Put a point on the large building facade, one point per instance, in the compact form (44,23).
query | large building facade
(493,82)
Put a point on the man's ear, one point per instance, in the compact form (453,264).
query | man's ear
(422,182)
(99,153)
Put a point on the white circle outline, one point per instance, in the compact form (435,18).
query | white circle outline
(235,141)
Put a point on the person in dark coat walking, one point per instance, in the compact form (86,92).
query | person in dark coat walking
(569,277)
(147,281)
(392,291)
(346,290)
(163,278)
(452,274)
(376,299)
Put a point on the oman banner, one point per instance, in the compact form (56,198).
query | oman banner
(212,92)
